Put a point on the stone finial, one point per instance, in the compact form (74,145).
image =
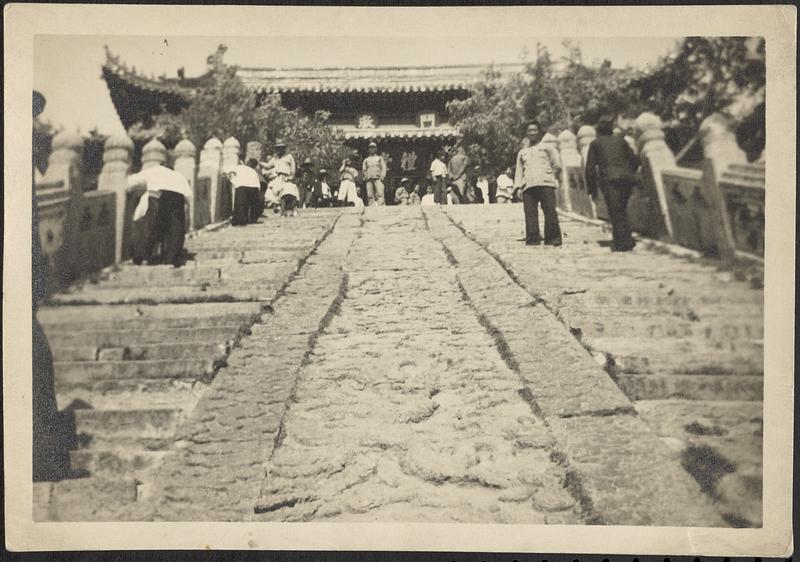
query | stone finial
(230,153)
(67,146)
(185,149)
(254,149)
(213,144)
(568,149)
(586,134)
(719,141)
(153,154)
(231,142)
(117,150)
(648,127)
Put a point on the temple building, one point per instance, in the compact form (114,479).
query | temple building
(403,109)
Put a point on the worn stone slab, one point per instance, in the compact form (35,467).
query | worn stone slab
(86,372)
(123,338)
(630,476)
(662,386)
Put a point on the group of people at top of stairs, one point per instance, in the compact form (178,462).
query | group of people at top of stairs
(611,164)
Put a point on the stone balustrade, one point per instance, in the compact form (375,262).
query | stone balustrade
(717,210)
(85,231)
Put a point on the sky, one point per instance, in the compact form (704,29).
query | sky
(67,68)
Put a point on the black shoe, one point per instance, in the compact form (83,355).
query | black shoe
(553,243)
(532,242)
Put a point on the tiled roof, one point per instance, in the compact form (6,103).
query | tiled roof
(366,79)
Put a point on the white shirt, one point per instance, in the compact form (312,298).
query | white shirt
(505,186)
(161,178)
(483,185)
(244,176)
(438,168)
(428,200)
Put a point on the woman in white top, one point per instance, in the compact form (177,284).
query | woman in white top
(505,187)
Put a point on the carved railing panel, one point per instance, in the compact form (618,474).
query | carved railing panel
(93,239)
(202,202)
(579,197)
(743,191)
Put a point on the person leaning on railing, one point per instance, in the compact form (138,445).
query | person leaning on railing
(160,216)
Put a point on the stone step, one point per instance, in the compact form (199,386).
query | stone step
(643,299)
(180,394)
(179,312)
(263,291)
(82,373)
(197,350)
(692,387)
(160,274)
(114,462)
(102,429)
(664,326)
(126,338)
(146,323)
(86,499)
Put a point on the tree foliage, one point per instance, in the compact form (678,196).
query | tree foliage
(225,107)
(558,95)
(707,75)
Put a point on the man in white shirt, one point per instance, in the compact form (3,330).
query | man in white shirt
(439,177)
(246,188)
(160,216)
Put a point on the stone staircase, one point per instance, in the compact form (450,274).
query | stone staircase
(682,337)
(135,348)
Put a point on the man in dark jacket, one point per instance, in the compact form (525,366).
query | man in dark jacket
(610,165)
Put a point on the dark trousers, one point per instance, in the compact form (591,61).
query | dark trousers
(50,436)
(165,224)
(246,206)
(531,199)
(616,194)
(439,190)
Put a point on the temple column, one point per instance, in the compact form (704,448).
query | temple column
(117,154)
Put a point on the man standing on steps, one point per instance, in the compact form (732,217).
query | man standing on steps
(160,216)
(538,174)
(439,177)
(282,165)
(610,165)
(457,170)
(374,169)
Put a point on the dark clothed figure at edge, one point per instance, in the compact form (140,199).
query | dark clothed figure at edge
(610,166)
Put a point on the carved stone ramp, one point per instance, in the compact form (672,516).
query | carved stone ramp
(680,335)
(127,375)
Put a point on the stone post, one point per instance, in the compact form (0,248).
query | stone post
(570,158)
(57,194)
(153,154)
(655,156)
(586,134)
(719,143)
(254,150)
(185,155)
(231,152)
(117,155)
(209,172)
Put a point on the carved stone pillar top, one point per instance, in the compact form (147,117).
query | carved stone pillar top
(231,143)
(213,144)
(254,150)
(66,148)
(185,149)
(153,154)
(117,148)
(568,148)
(719,140)
(648,127)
